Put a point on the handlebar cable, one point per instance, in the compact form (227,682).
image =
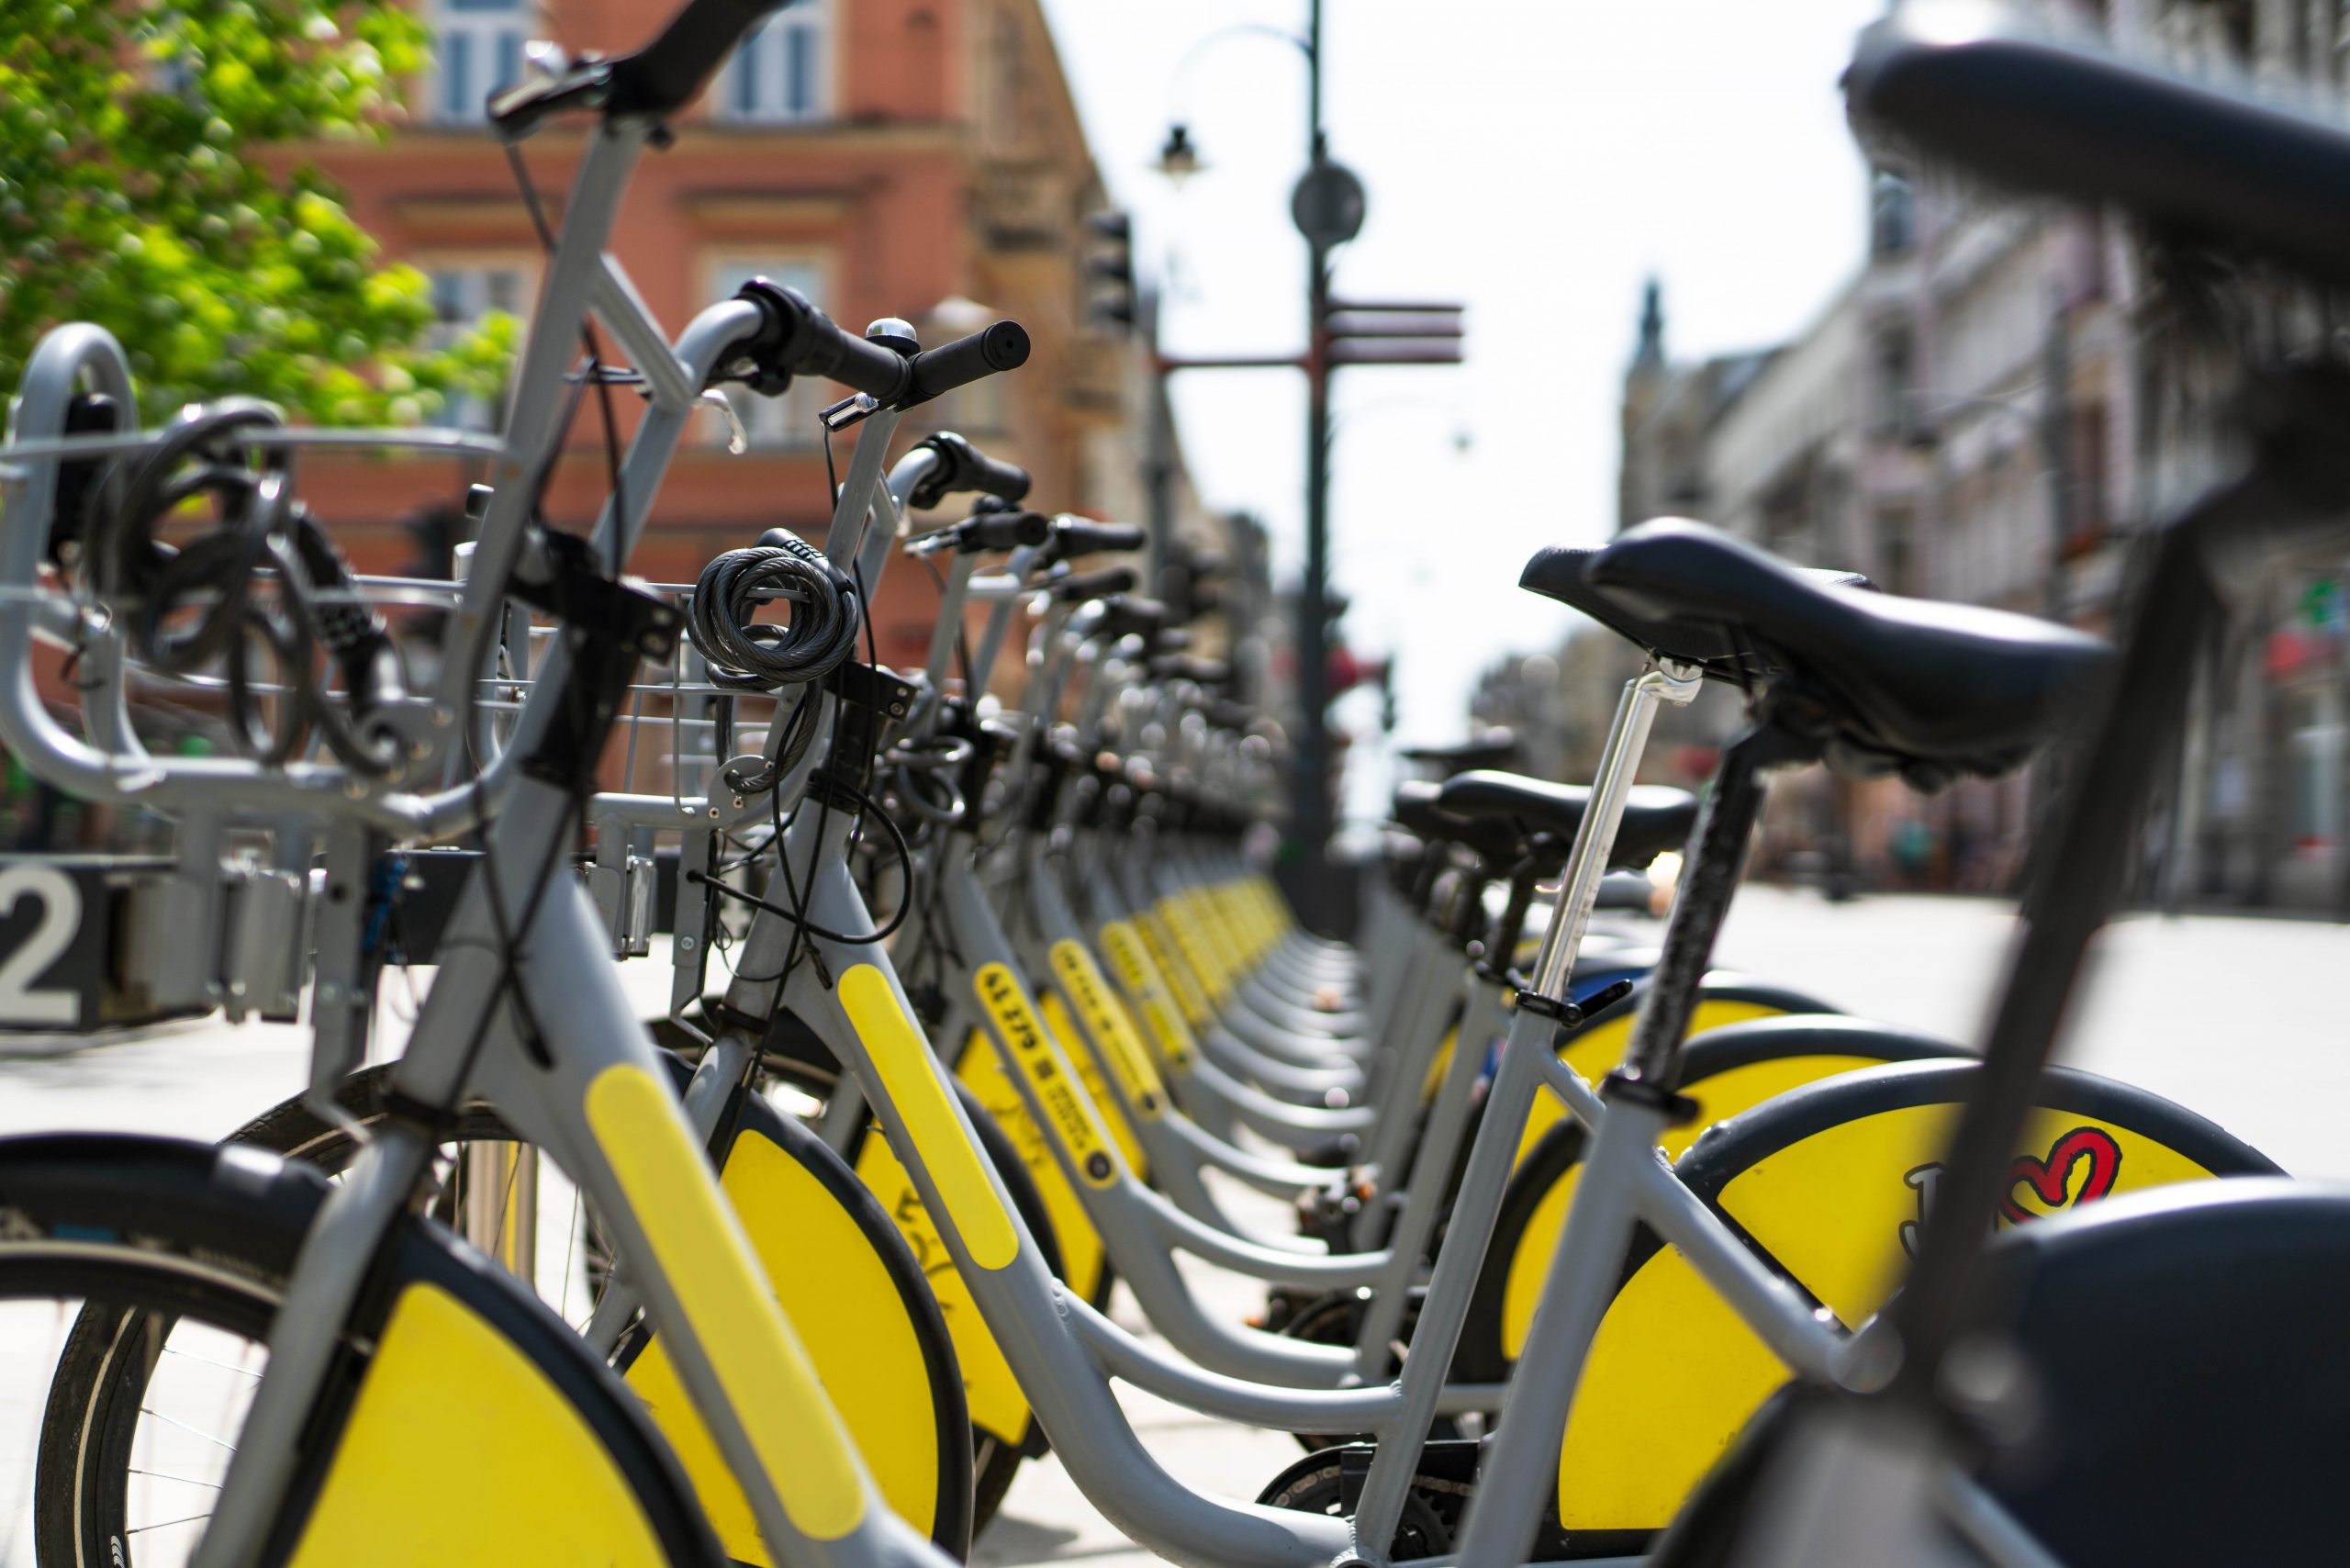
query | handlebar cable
(505,942)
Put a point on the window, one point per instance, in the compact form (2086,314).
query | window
(1004,84)
(1897,550)
(465,289)
(2314,766)
(781,74)
(477,48)
(788,420)
(1893,217)
(1893,410)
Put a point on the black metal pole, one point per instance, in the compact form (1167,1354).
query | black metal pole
(2056,457)
(1158,452)
(1310,806)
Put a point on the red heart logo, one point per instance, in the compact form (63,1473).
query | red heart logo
(2051,1180)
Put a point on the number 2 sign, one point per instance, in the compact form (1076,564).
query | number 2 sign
(52,945)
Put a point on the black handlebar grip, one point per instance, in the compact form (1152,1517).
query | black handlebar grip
(1172,639)
(962,467)
(663,77)
(1074,536)
(1008,481)
(1003,346)
(1227,715)
(1191,668)
(1004,531)
(1094,585)
(859,363)
(1122,615)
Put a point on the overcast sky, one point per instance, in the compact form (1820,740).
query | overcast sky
(1535,159)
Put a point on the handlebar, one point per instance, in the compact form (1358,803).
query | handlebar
(797,339)
(962,467)
(1191,667)
(663,77)
(996,529)
(1122,615)
(1110,580)
(1003,346)
(1075,536)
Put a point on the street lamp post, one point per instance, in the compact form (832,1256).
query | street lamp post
(1327,205)
(1310,784)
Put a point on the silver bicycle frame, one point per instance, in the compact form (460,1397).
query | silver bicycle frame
(525,932)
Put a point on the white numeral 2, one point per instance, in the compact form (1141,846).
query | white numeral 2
(60,915)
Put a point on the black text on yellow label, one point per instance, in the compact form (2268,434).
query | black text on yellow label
(1112,1030)
(1067,1113)
(1178,976)
(1147,987)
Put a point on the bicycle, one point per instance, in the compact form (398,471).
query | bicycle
(376,1324)
(2079,125)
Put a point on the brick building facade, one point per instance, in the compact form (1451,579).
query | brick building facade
(912,158)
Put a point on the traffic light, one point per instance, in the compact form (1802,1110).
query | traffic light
(1393,332)
(1110,272)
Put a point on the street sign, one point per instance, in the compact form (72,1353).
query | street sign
(1364,331)
(1328,205)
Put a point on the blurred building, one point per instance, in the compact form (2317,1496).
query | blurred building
(912,158)
(2262,812)
(2001,396)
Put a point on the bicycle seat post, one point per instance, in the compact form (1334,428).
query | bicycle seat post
(1619,761)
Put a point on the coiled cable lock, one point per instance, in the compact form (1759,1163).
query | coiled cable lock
(742,652)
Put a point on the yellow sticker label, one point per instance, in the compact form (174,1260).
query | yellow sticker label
(990,1389)
(1143,982)
(1078,1051)
(845,1305)
(1180,917)
(1170,964)
(926,1106)
(1112,1030)
(1068,1115)
(981,1070)
(730,1309)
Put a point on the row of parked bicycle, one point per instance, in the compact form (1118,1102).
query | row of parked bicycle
(1600,1254)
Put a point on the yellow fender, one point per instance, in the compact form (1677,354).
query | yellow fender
(1826,1183)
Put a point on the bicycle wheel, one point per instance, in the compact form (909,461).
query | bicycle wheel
(1004,1432)
(168,1260)
(846,1278)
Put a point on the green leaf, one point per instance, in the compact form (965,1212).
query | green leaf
(139,190)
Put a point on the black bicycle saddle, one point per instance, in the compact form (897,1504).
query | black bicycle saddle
(1656,819)
(1557,572)
(1414,811)
(1419,809)
(1884,683)
(2074,120)
(1496,747)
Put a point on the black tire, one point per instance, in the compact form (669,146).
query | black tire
(291,1129)
(148,1232)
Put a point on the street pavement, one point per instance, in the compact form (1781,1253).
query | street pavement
(2242,1019)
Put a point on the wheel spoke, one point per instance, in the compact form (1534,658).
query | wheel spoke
(167,1524)
(167,1475)
(182,1426)
(211,1361)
